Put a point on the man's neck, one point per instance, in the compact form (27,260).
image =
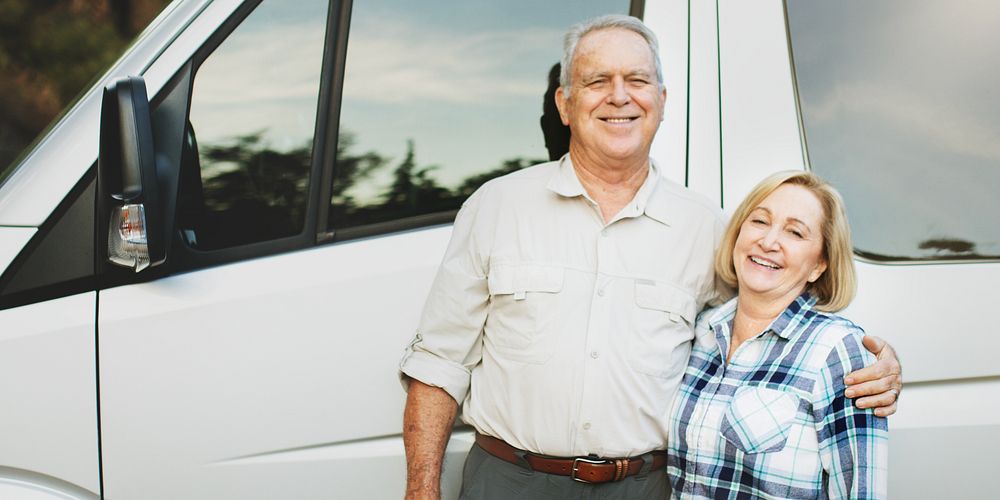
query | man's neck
(611,186)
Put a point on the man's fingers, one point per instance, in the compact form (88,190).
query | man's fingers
(885,411)
(882,368)
(872,388)
(873,344)
(880,400)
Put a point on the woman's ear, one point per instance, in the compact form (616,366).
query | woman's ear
(818,271)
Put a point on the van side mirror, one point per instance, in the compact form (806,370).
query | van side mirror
(127,171)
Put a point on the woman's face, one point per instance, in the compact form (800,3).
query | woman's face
(780,246)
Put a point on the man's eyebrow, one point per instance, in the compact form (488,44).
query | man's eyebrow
(594,75)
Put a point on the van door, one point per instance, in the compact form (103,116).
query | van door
(48,356)
(317,185)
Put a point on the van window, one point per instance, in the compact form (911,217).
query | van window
(438,98)
(50,52)
(253,114)
(901,111)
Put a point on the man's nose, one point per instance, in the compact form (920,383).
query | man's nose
(619,95)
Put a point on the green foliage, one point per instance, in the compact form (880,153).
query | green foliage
(51,51)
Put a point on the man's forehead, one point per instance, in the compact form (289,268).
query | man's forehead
(620,40)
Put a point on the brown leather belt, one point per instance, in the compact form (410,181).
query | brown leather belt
(583,469)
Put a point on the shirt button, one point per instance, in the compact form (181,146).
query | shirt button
(594,354)
(600,293)
(604,233)
(586,426)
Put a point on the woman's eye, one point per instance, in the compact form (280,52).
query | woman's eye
(796,232)
(758,221)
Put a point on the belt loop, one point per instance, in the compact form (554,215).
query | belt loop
(522,461)
(647,464)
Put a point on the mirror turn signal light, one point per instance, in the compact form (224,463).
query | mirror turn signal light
(127,244)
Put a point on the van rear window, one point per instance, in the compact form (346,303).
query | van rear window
(901,111)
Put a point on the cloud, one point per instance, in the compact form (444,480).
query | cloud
(396,61)
(279,64)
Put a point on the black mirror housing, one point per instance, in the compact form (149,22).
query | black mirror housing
(127,162)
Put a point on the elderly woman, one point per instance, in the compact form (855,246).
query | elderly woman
(761,411)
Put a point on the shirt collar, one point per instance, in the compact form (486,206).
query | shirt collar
(565,182)
(786,325)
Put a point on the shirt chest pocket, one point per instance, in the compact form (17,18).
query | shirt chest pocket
(523,317)
(661,320)
(759,420)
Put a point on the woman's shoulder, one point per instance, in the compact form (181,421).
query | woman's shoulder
(831,329)
(835,342)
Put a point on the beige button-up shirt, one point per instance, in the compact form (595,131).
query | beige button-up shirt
(561,334)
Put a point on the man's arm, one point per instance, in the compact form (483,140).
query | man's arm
(427,422)
(878,385)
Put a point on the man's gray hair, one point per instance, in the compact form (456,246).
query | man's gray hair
(609,21)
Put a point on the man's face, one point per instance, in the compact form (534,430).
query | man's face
(615,104)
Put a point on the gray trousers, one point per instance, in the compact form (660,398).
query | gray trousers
(486,477)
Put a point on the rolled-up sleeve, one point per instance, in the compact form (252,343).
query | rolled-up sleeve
(853,442)
(448,341)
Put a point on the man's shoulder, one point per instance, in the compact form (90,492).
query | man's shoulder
(517,182)
(538,173)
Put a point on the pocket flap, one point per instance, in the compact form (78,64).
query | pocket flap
(665,297)
(758,419)
(521,278)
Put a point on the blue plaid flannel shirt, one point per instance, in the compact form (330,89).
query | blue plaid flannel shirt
(774,422)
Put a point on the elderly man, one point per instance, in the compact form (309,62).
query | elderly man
(561,317)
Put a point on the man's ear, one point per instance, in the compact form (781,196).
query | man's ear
(562,104)
(663,102)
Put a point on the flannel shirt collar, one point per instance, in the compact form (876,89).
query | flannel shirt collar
(786,325)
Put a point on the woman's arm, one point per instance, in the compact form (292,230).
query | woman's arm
(853,442)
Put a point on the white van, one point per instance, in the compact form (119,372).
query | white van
(299,169)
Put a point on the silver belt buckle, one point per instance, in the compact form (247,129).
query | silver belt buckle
(576,468)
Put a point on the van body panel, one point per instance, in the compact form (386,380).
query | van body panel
(12,240)
(760,127)
(669,21)
(48,382)
(274,377)
(58,161)
(704,174)
(933,315)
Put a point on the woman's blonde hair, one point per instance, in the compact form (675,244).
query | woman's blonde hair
(835,288)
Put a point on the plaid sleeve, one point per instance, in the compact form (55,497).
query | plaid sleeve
(853,442)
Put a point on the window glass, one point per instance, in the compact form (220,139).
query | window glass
(253,113)
(51,51)
(440,97)
(901,111)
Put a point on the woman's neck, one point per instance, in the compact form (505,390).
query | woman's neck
(753,313)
